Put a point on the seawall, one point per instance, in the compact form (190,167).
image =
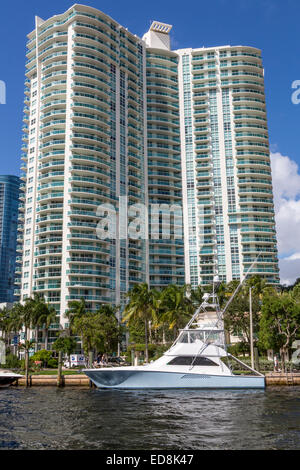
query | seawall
(272,378)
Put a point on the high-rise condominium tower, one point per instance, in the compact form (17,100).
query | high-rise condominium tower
(85,116)
(85,154)
(113,120)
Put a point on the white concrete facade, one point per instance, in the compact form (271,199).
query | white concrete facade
(85,145)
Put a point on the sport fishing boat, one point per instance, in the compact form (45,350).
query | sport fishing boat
(7,378)
(197,359)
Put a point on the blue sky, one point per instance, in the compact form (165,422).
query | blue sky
(271,25)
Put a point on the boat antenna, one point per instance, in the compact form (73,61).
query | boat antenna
(204,346)
(240,284)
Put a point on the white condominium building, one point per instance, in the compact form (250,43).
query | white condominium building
(227,182)
(112,120)
(85,150)
(85,146)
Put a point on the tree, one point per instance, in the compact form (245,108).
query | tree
(5,321)
(176,307)
(140,306)
(35,304)
(76,309)
(27,345)
(66,345)
(197,296)
(21,317)
(43,355)
(110,332)
(280,321)
(159,324)
(237,317)
(86,327)
(43,314)
(22,314)
(47,318)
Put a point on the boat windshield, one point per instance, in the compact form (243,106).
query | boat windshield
(238,367)
(199,336)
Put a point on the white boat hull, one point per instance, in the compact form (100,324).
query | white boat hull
(6,380)
(151,379)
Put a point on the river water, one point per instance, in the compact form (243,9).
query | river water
(82,418)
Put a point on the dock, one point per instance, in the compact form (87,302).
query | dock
(283,378)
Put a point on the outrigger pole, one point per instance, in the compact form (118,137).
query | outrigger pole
(220,314)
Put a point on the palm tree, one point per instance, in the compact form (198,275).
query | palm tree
(177,307)
(22,317)
(197,296)
(14,322)
(38,306)
(108,309)
(77,309)
(49,318)
(27,345)
(41,314)
(157,313)
(140,306)
(4,324)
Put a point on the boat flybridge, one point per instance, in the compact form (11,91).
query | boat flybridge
(197,359)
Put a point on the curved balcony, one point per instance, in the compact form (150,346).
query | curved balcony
(55,66)
(82,66)
(55,112)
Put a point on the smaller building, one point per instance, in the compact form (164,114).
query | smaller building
(9,205)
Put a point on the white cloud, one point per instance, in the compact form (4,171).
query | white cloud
(286,179)
(293,257)
(289,270)
(286,183)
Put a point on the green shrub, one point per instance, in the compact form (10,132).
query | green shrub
(12,362)
(43,356)
(238,349)
(52,363)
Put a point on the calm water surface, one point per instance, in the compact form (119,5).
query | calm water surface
(50,418)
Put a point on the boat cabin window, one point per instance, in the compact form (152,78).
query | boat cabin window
(188,361)
(191,337)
